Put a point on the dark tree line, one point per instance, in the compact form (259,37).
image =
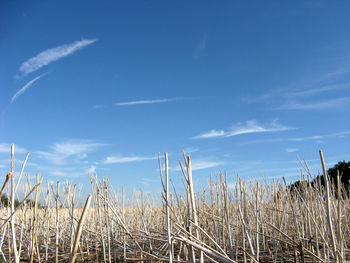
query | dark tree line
(5,202)
(342,168)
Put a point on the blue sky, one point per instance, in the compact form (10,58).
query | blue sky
(243,86)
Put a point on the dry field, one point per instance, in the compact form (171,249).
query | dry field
(250,222)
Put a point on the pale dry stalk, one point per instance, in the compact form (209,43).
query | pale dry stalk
(79,230)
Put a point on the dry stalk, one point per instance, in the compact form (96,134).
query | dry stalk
(329,217)
(79,230)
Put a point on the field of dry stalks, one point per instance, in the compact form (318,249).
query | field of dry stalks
(251,222)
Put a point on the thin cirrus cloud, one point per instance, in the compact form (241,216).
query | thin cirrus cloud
(63,152)
(291,150)
(6,148)
(99,106)
(200,48)
(127,159)
(25,87)
(202,164)
(244,128)
(72,172)
(307,88)
(67,174)
(139,102)
(199,164)
(50,55)
(338,135)
(329,104)
(292,139)
(315,91)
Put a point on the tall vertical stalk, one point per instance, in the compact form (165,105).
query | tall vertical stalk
(12,220)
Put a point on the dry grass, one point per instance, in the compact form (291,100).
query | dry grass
(251,222)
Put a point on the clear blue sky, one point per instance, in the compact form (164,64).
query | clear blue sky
(243,86)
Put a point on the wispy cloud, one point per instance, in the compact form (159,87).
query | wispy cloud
(333,103)
(138,102)
(75,147)
(290,97)
(66,174)
(336,73)
(301,139)
(50,55)
(292,139)
(244,128)
(149,181)
(201,46)
(92,169)
(25,87)
(318,90)
(210,134)
(70,149)
(190,150)
(6,148)
(69,170)
(291,150)
(199,164)
(127,159)
(99,106)
(267,96)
